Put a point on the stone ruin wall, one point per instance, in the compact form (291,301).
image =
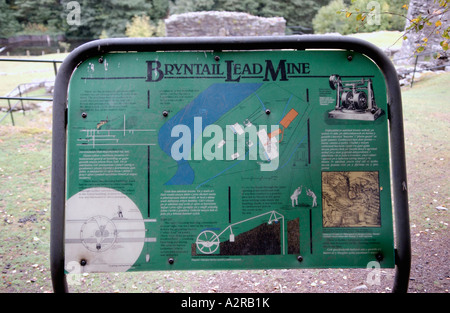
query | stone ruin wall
(422,7)
(200,24)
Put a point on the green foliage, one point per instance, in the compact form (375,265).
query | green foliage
(106,18)
(297,12)
(141,26)
(44,12)
(327,20)
(109,18)
(367,16)
(159,9)
(8,24)
(426,25)
(429,24)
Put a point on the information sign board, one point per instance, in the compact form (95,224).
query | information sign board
(228,160)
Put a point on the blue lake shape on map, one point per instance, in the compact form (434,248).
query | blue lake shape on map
(211,104)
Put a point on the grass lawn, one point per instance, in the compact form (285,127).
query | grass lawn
(382,39)
(427,128)
(15,73)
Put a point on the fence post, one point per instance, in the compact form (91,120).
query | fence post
(21,101)
(10,112)
(55,68)
(414,73)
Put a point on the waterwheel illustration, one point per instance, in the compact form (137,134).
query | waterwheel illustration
(207,242)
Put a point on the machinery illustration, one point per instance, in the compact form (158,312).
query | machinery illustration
(355,99)
(98,233)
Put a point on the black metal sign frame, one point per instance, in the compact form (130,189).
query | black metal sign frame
(398,174)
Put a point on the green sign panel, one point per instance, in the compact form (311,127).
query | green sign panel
(228,160)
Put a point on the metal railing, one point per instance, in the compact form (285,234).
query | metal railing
(20,99)
(55,68)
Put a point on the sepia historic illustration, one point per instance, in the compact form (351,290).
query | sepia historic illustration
(351,199)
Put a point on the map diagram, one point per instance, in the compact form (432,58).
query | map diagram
(241,106)
(351,199)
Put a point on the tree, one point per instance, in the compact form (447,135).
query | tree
(327,21)
(431,23)
(159,9)
(8,23)
(29,13)
(107,16)
(334,18)
(296,12)
(184,6)
(426,25)
(142,26)
(97,18)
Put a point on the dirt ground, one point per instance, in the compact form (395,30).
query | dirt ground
(429,274)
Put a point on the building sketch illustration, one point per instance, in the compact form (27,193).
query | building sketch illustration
(117,136)
(351,199)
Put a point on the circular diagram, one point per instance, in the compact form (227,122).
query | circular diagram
(207,242)
(98,233)
(104,230)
